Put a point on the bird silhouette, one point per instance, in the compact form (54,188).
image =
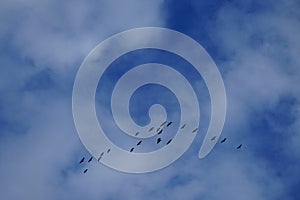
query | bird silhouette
(213,138)
(160,132)
(90,159)
(194,130)
(169,124)
(182,126)
(100,156)
(108,150)
(163,123)
(158,140)
(81,161)
(223,140)
(85,171)
(136,133)
(139,143)
(151,129)
(169,141)
(131,150)
(239,146)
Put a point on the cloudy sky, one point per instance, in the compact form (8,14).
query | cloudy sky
(256,47)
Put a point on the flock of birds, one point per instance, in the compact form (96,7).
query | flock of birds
(159,131)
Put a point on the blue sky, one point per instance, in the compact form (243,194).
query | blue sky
(255,46)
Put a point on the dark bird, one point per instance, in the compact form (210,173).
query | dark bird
(160,132)
(213,138)
(136,133)
(81,161)
(139,143)
(158,140)
(163,123)
(169,124)
(158,129)
(239,146)
(169,141)
(194,130)
(131,150)
(223,140)
(151,129)
(100,156)
(108,150)
(182,126)
(85,171)
(90,159)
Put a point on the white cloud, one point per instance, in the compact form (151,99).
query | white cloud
(39,155)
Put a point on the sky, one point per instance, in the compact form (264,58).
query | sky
(255,46)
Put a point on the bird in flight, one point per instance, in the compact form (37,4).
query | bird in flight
(100,156)
(223,140)
(90,159)
(182,126)
(85,171)
(139,143)
(81,161)
(108,150)
(160,131)
(169,124)
(158,140)
(163,123)
(131,150)
(194,130)
(239,146)
(151,129)
(213,138)
(169,141)
(136,133)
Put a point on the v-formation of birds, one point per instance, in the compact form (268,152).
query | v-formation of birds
(159,131)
